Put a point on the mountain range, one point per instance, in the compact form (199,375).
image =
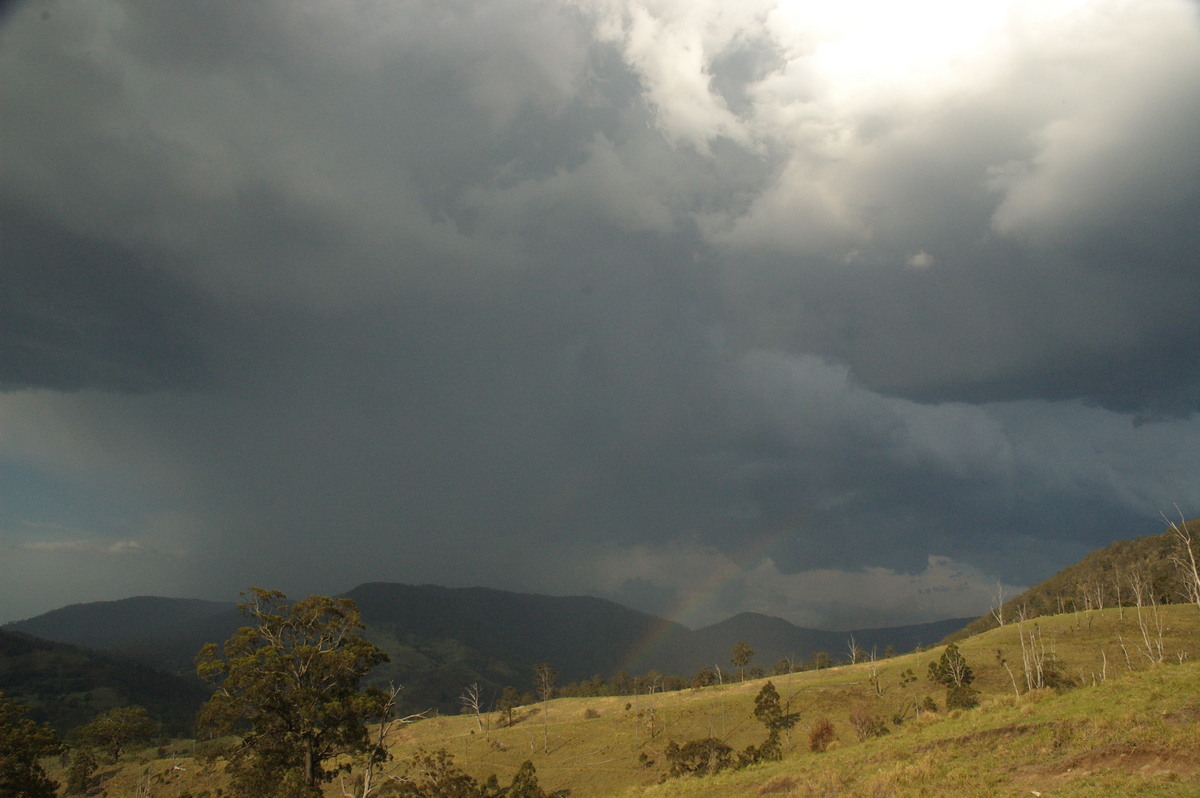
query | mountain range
(441,639)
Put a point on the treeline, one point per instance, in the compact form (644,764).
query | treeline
(654,682)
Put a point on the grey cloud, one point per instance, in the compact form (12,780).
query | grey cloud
(77,312)
(465,293)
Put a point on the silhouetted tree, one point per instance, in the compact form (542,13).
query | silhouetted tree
(510,699)
(544,677)
(740,656)
(293,677)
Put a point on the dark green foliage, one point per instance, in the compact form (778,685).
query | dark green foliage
(740,656)
(22,743)
(79,774)
(953,672)
(952,669)
(704,677)
(525,783)
(767,709)
(961,697)
(67,686)
(507,704)
(769,750)
(701,757)
(290,684)
(114,731)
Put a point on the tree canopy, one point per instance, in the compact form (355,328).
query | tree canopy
(290,684)
(22,743)
(115,730)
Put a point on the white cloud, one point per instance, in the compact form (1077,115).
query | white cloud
(710,587)
(115,548)
(1122,95)
(920,262)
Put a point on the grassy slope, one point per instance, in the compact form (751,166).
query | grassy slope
(1130,731)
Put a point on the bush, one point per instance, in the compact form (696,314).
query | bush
(821,735)
(962,697)
(867,724)
(698,757)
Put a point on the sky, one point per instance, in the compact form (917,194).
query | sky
(856,314)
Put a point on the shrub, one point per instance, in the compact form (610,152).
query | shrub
(698,757)
(867,724)
(821,735)
(962,697)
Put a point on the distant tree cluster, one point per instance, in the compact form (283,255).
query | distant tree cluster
(433,774)
(623,684)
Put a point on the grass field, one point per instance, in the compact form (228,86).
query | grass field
(1130,728)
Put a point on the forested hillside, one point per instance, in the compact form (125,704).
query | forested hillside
(1144,570)
(67,686)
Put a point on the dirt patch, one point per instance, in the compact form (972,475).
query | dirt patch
(999,733)
(778,785)
(1117,758)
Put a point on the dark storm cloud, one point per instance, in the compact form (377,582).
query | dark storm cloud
(83,313)
(666,303)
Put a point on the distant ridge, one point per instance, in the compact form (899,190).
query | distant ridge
(111,624)
(440,639)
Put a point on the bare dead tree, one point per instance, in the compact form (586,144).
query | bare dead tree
(874,675)
(544,677)
(1149,621)
(372,764)
(998,604)
(1125,651)
(1011,677)
(1117,584)
(471,701)
(854,650)
(1033,656)
(1185,558)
